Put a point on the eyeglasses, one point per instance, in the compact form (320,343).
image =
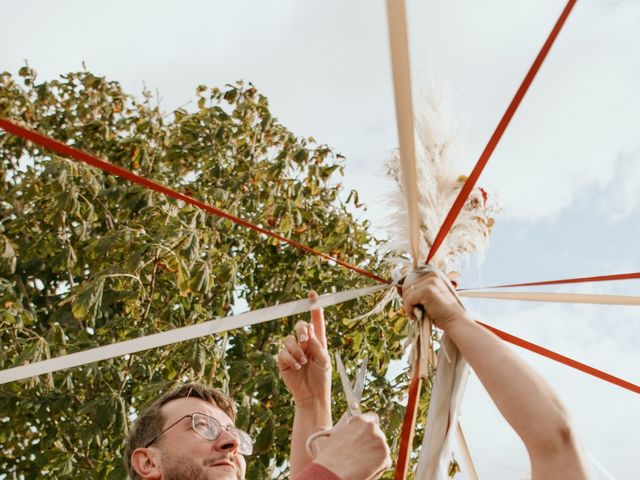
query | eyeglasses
(209,428)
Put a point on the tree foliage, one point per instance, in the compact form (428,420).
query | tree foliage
(87,259)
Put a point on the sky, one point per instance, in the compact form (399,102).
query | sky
(566,173)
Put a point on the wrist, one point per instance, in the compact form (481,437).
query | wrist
(459,321)
(313,402)
(315,412)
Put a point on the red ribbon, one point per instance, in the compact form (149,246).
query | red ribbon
(497,134)
(409,417)
(600,278)
(532,347)
(68,151)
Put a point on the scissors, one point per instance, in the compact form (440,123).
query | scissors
(353,396)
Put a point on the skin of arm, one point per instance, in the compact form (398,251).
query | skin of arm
(305,367)
(523,397)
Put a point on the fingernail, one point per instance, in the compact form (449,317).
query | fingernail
(303,337)
(297,366)
(303,360)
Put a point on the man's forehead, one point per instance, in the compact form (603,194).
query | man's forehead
(178,408)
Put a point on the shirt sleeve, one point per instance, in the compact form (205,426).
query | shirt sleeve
(313,471)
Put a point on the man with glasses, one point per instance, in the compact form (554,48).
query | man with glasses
(189,433)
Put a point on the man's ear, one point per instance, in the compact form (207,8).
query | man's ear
(146,462)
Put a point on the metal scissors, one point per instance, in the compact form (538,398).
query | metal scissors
(353,396)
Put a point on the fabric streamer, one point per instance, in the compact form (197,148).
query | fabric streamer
(545,352)
(400,67)
(181,334)
(499,131)
(105,166)
(444,407)
(399,43)
(555,297)
(447,392)
(70,152)
(599,278)
(464,448)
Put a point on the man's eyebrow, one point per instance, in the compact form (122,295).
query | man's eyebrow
(175,422)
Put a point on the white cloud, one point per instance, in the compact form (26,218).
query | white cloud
(620,198)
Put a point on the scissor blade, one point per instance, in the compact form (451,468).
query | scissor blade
(358,387)
(353,403)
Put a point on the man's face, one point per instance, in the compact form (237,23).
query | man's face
(187,456)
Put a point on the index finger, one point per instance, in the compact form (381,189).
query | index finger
(317,320)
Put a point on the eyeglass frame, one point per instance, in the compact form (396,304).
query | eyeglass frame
(229,428)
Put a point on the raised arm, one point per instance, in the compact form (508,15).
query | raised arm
(523,397)
(305,367)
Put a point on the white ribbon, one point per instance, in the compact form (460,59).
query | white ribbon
(555,297)
(182,334)
(464,449)
(444,406)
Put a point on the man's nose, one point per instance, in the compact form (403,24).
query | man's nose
(227,442)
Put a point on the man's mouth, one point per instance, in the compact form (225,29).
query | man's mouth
(221,462)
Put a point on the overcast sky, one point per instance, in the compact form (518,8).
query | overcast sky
(567,171)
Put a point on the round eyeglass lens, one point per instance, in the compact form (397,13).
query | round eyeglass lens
(209,428)
(245,442)
(205,426)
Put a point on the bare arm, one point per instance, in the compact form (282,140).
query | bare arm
(523,397)
(305,367)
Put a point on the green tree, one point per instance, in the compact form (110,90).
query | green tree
(88,259)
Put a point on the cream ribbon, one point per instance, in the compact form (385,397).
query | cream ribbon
(182,334)
(464,449)
(399,44)
(446,398)
(555,297)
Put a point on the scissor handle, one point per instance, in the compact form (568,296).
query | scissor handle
(311,450)
(327,432)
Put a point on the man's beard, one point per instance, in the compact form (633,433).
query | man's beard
(185,468)
(181,468)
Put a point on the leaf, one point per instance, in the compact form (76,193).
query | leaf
(86,302)
(201,280)
(285,225)
(231,95)
(266,437)
(8,257)
(300,156)
(183,279)
(192,247)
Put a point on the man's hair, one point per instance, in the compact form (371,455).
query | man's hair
(150,421)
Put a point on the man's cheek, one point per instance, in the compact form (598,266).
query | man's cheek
(243,468)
